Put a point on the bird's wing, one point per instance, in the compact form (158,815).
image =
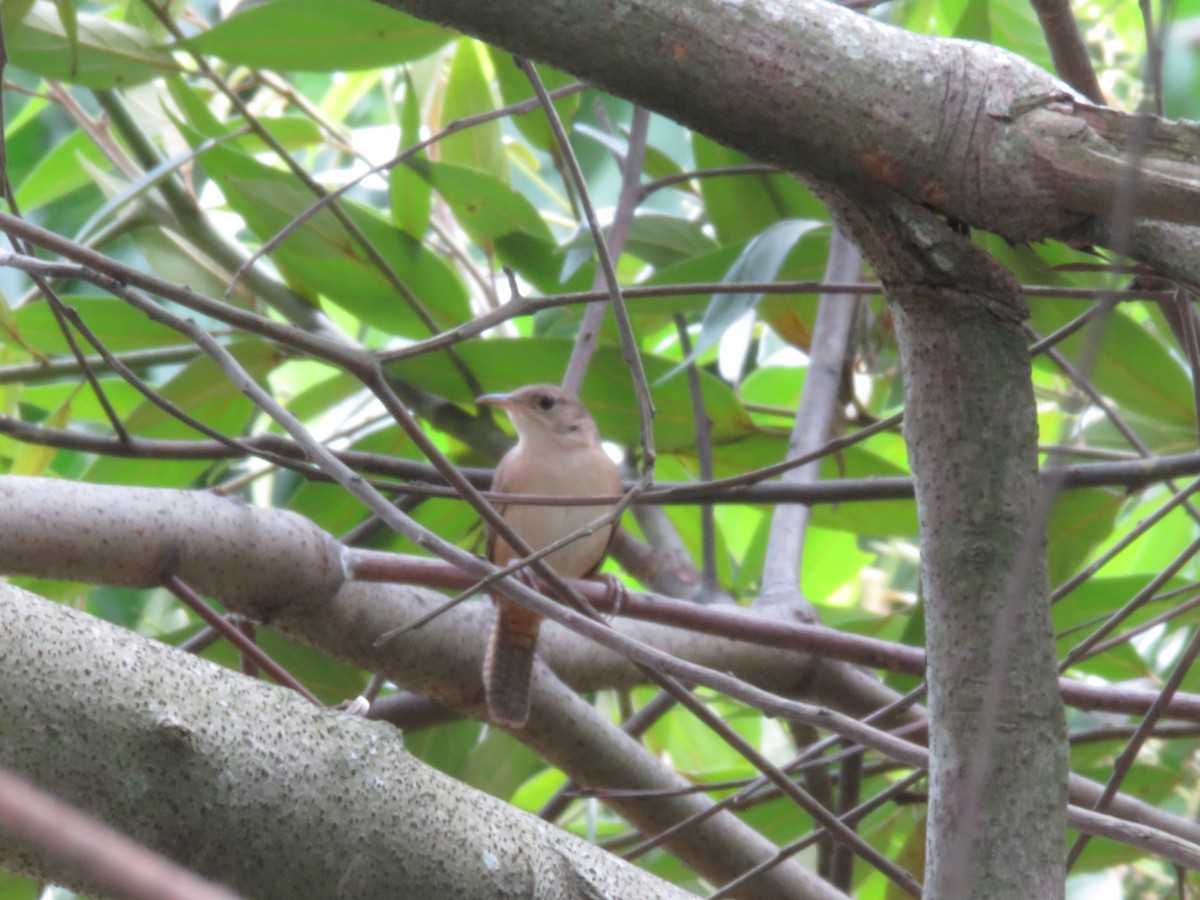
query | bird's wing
(616,486)
(500,478)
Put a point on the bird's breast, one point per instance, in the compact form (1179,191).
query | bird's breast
(541,526)
(564,474)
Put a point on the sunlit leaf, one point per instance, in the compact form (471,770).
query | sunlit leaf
(105,54)
(321,256)
(468,93)
(315,36)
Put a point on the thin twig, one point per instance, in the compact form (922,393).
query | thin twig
(703,425)
(184,593)
(627,201)
(32,818)
(629,348)
(1128,756)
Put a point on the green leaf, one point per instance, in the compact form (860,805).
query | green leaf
(119,325)
(930,16)
(332,681)
(499,764)
(13,13)
(204,392)
(35,459)
(741,206)
(500,219)
(1078,522)
(484,205)
(318,36)
(760,261)
(1082,611)
(832,558)
(1181,77)
(663,240)
(1137,371)
(10,327)
(195,108)
(699,752)
(411,200)
(410,113)
(1014,26)
(319,255)
(468,92)
(38,400)
(708,267)
(106,54)
(409,193)
(1154,551)
(608,390)
(14,887)
(975,23)
(446,747)
(182,263)
(871,518)
(70,25)
(515,87)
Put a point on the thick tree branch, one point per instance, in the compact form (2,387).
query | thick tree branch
(442,659)
(252,786)
(102,534)
(136,668)
(967,129)
(998,793)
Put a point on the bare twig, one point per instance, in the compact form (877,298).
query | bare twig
(814,419)
(1067,49)
(627,201)
(35,819)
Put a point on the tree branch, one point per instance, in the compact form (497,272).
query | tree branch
(990,139)
(228,776)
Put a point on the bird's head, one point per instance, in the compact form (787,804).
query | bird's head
(545,411)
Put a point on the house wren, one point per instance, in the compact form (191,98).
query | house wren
(558,451)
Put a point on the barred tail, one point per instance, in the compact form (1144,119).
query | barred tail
(508,667)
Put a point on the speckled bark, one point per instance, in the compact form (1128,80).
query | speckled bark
(969,421)
(998,765)
(253,787)
(120,536)
(962,127)
(134,537)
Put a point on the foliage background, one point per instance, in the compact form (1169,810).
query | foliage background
(152,146)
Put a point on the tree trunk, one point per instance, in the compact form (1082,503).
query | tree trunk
(997,735)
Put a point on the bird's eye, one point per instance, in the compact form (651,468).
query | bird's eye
(546,402)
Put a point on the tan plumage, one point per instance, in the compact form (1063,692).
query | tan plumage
(558,451)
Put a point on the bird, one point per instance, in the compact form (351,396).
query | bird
(558,451)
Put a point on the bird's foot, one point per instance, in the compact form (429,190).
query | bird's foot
(616,594)
(529,578)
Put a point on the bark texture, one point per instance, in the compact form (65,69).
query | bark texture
(441,659)
(970,130)
(255,788)
(997,736)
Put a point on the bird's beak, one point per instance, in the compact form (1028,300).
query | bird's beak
(504,401)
